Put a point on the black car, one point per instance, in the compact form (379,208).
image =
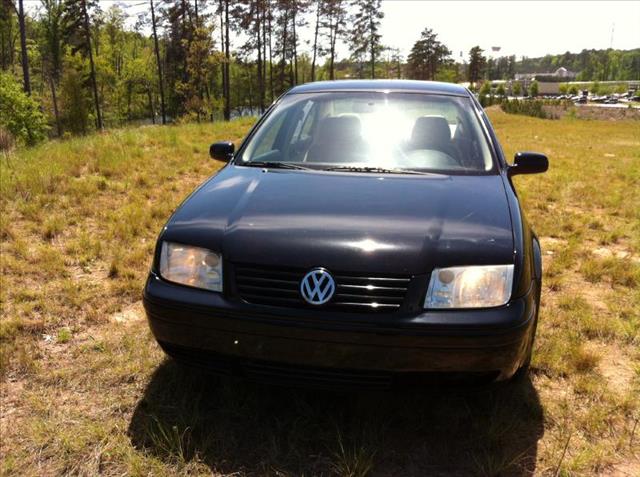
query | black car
(364,233)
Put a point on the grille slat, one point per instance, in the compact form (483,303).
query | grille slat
(280,287)
(373,288)
(265,290)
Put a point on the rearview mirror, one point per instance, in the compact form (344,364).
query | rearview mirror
(222,151)
(528,163)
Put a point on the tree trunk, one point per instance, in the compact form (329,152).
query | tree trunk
(373,48)
(94,83)
(284,49)
(315,43)
(23,50)
(264,49)
(224,79)
(273,95)
(295,49)
(55,107)
(157,48)
(259,65)
(227,95)
(333,33)
(151,109)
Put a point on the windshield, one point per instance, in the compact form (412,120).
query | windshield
(372,131)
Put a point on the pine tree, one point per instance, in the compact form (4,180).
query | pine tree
(477,64)
(333,18)
(427,56)
(365,39)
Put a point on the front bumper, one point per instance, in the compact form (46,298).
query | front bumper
(228,335)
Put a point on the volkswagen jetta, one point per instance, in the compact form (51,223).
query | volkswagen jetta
(364,232)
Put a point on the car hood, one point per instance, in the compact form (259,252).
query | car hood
(358,222)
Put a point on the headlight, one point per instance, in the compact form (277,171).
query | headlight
(469,287)
(193,266)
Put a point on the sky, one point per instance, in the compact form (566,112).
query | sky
(522,28)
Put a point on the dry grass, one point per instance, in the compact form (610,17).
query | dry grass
(86,391)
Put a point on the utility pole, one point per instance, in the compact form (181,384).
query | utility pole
(161,84)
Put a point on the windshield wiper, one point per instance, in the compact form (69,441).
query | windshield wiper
(376,170)
(274,165)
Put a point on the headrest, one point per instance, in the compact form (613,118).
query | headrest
(339,129)
(430,131)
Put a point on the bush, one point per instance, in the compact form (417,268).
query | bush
(19,113)
(533,89)
(533,108)
(517,88)
(573,89)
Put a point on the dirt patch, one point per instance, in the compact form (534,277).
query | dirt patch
(615,251)
(616,366)
(130,314)
(625,469)
(550,245)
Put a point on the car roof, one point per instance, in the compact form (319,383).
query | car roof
(412,86)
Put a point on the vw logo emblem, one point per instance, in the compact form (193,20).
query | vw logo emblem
(317,287)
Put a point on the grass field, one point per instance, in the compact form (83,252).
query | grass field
(86,391)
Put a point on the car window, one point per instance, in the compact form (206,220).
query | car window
(373,129)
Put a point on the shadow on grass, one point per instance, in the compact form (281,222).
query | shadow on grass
(232,426)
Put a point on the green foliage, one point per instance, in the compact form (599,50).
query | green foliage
(427,56)
(74,97)
(500,91)
(517,88)
(534,108)
(365,37)
(573,89)
(563,88)
(590,65)
(533,89)
(477,64)
(484,95)
(20,114)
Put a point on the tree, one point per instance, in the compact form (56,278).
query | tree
(365,36)
(427,56)
(158,63)
(23,49)
(77,33)
(223,11)
(94,84)
(7,36)
(533,89)
(334,16)
(315,39)
(501,91)
(52,49)
(75,103)
(477,64)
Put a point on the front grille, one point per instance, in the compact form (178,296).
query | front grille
(354,292)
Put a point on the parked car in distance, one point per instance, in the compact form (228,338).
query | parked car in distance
(365,233)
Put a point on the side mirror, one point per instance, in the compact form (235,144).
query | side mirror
(222,151)
(528,163)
